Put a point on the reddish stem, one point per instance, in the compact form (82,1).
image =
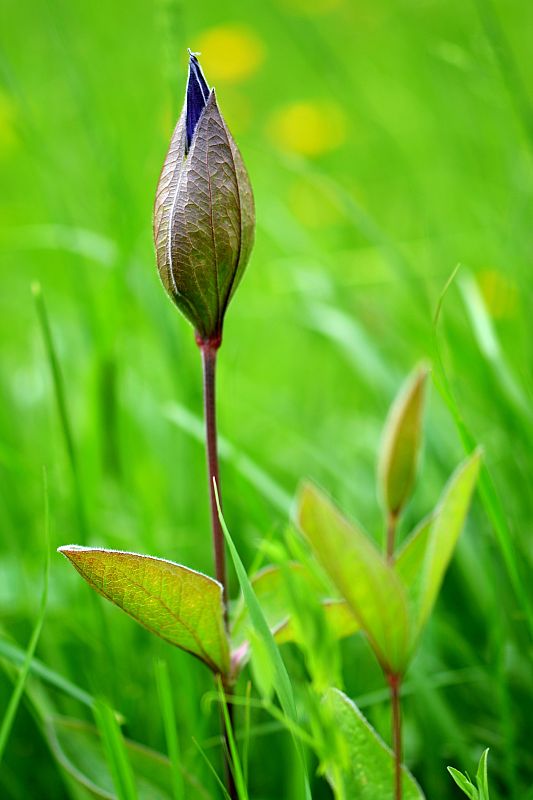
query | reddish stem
(394,683)
(392,521)
(209,350)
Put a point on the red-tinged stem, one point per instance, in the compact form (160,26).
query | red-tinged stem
(209,359)
(209,350)
(392,521)
(394,683)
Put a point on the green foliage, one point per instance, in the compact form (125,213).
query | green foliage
(360,764)
(390,600)
(479,790)
(360,573)
(442,536)
(420,123)
(182,606)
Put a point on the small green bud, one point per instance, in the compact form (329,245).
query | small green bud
(204,212)
(400,447)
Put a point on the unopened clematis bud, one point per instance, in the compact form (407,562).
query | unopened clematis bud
(204,212)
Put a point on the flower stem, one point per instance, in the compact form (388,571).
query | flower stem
(394,683)
(209,350)
(392,521)
(209,359)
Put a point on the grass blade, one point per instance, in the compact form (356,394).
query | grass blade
(11,711)
(487,490)
(282,684)
(61,402)
(115,751)
(234,753)
(168,714)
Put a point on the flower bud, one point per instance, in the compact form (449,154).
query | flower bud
(204,212)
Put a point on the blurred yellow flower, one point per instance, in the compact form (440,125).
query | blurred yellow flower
(499,293)
(230,52)
(308,128)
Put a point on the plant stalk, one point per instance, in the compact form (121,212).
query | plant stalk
(394,683)
(209,350)
(209,359)
(392,521)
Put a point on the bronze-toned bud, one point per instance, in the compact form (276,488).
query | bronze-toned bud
(204,212)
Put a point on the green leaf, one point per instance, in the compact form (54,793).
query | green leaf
(442,535)
(361,766)
(464,784)
(482,781)
(360,573)
(180,605)
(482,778)
(400,447)
(269,585)
(77,747)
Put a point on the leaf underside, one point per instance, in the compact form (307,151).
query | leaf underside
(180,605)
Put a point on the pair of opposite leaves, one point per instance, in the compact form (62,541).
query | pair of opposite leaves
(390,600)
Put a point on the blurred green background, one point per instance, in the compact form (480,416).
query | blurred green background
(387,141)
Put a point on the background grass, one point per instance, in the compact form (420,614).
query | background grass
(387,141)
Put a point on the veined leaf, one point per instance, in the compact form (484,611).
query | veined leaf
(401,443)
(180,605)
(360,573)
(362,766)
